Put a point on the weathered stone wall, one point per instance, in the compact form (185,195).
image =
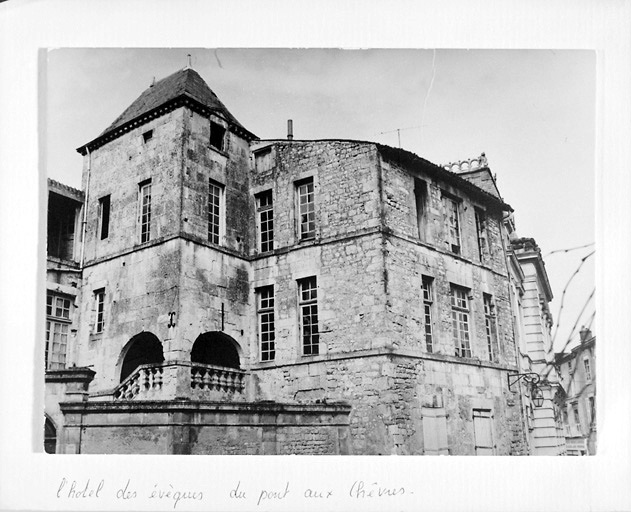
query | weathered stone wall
(347,263)
(214,295)
(205,428)
(141,288)
(228,167)
(400,215)
(407,263)
(373,351)
(388,391)
(345,184)
(117,169)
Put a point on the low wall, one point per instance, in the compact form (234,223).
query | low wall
(209,428)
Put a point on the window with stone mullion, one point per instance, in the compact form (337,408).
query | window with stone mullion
(306,208)
(145,212)
(428,302)
(460,322)
(490,328)
(266,221)
(214,212)
(57,327)
(267,332)
(309,316)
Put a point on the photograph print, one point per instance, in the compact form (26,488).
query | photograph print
(319,252)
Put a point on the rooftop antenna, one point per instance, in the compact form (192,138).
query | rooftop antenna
(153,81)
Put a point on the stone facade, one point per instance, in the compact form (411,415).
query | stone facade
(355,295)
(530,296)
(578,377)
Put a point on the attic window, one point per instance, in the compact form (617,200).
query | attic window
(147,136)
(217,133)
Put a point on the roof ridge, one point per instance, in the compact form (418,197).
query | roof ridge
(185,82)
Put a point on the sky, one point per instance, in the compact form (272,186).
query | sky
(532,112)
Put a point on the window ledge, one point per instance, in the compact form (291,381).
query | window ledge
(218,151)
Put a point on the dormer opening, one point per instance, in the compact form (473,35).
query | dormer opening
(217,134)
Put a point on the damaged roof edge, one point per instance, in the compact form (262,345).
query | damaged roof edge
(182,100)
(65,190)
(404,157)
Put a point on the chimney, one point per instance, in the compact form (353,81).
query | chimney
(290,129)
(586,334)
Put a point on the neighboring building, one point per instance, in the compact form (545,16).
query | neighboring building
(63,291)
(531,294)
(578,374)
(283,296)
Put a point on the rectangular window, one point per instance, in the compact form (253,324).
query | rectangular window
(592,410)
(490,326)
(306,209)
(569,365)
(420,199)
(144,207)
(99,301)
(215,199)
(480,225)
(483,432)
(267,336)
(147,136)
(577,418)
(217,133)
(265,208)
(57,328)
(460,321)
(428,302)
(308,304)
(453,224)
(588,370)
(566,423)
(434,431)
(104,217)
(263,160)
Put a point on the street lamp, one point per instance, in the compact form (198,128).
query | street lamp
(537,396)
(532,379)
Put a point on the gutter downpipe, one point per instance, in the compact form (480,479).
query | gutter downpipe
(85,210)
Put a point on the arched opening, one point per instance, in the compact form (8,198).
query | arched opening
(50,436)
(144,348)
(216,348)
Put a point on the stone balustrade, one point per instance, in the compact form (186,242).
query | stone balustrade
(472,164)
(209,377)
(145,382)
(182,379)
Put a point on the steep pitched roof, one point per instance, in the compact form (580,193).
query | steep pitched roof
(185,84)
(484,179)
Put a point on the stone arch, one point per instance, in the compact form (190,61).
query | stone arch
(50,435)
(143,348)
(216,348)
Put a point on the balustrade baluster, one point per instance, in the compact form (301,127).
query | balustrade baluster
(136,385)
(196,378)
(214,378)
(206,380)
(145,375)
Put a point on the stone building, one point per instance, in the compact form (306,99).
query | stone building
(531,294)
(239,295)
(578,377)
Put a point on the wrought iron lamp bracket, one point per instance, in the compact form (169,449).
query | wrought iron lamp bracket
(529,378)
